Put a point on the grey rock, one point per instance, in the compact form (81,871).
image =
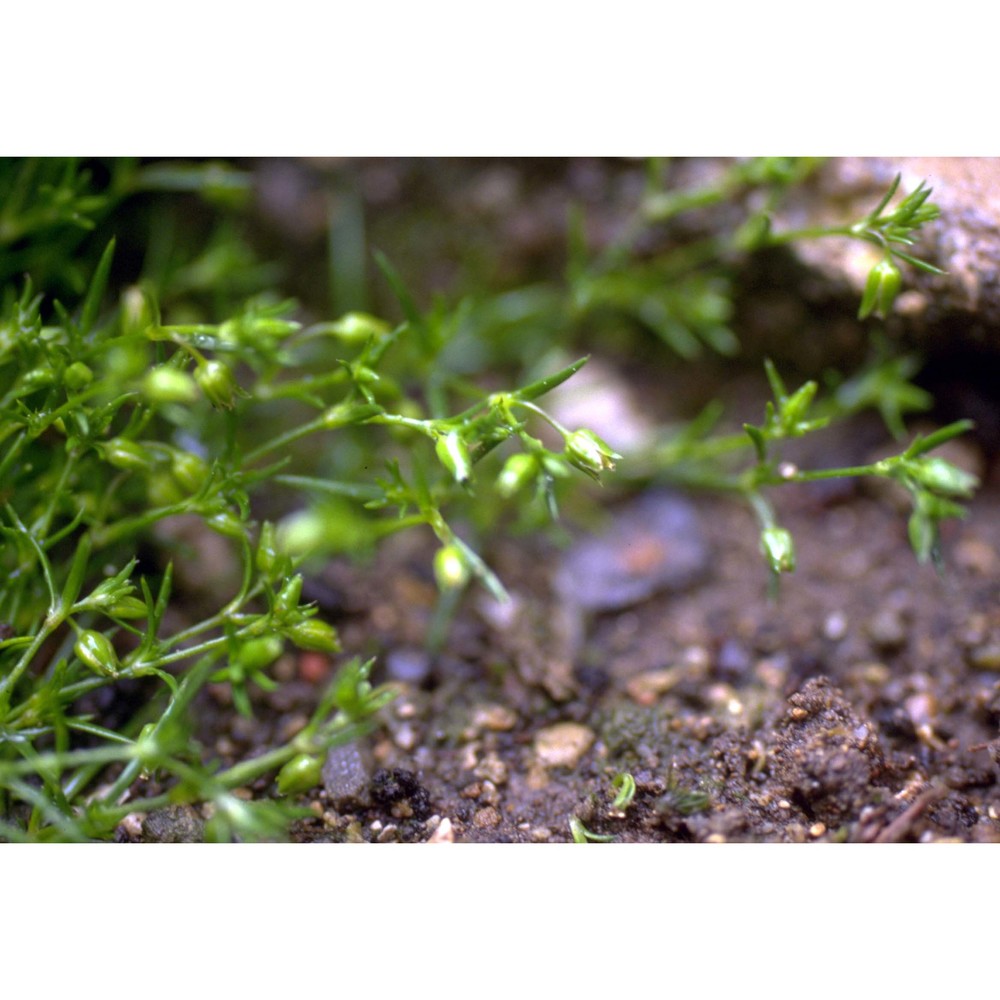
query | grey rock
(654,544)
(173,825)
(346,775)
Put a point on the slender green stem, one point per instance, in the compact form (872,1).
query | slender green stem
(283,439)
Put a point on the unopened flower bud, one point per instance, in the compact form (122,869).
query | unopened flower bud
(128,607)
(165,384)
(300,774)
(357,327)
(125,454)
(228,524)
(451,569)
(314,634)
(95,651)
(345,414)
(940,476)
(138,312)
(217,382)
(923,534)
(189,470)
(779,547)
(266,557)
(881,289)
(77,375)
(255,654)
(289,596)
(517,472)
(454,456)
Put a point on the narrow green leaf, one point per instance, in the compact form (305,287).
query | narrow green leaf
(95,293)
(77,572)
(409,307)
(777,385)
(544,385)
(921,445)
(757,437)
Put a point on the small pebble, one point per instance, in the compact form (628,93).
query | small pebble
(486,818)
(493,769)
(131,826)
(314,668)
(406,736)
(887,630)
(489,795)
(985,657)
(646,688)
(835,626)
(562,745)
(496,718)
(733,660)
(444,833)
(410,665)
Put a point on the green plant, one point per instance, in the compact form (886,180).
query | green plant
(116,421)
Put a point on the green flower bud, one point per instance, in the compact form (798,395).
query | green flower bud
(357,327)
(125,454)
(228,524)
(189,470)
(256,654)
(163,491)
(881,289)
(165,384)
(289,596)
(344,414)
(138,312)
(454,456)
(779,547)
(128,607)
(300,774)
(266,557)
(923,534)
(588,453)
(451,568)
(77,376)
(96,652)
(270,327)
(114,597)
(217,382)
(314,634)
(939,476)
(37,378)
(517,472)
